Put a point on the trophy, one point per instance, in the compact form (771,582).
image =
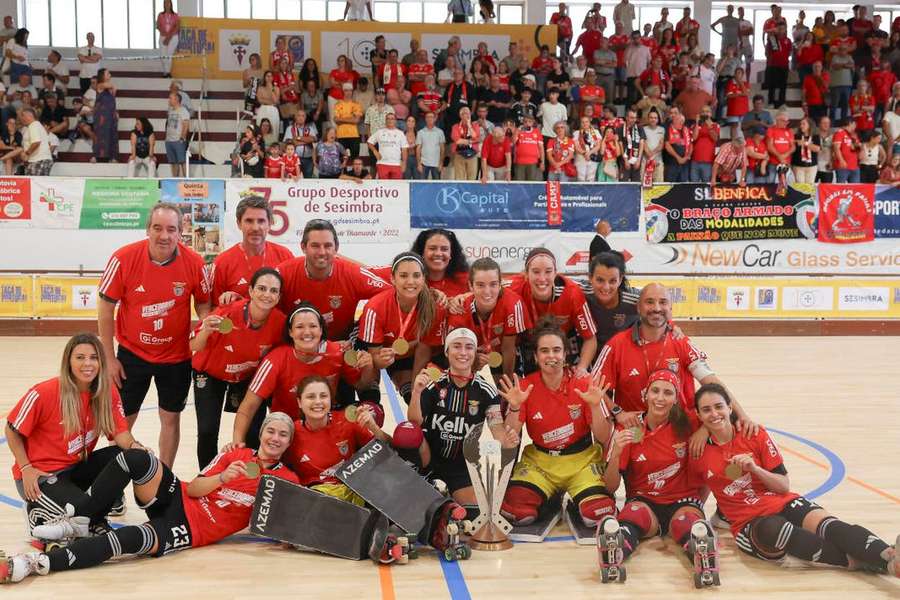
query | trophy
(490,467)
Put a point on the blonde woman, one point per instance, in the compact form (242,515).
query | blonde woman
(53,428)
(587,150)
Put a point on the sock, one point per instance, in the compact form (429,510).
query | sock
(854,540)
(131,465)
(92,551)
(632,534)
(777,533)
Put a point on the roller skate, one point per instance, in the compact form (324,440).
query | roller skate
(396,549)
(16,568)
(610,544)
(450,521)
(702,546)
(60,531)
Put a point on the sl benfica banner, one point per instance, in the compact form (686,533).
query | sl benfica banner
(703,213)
(846,213)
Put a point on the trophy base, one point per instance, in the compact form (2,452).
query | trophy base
(489,538)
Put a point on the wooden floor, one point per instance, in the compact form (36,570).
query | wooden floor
(833,401)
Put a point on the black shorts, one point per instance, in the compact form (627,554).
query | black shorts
(453,473)
(793,512)
(173,381)
(665,512)
(166,515)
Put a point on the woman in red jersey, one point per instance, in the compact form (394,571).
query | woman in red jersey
(307,352)
(567,422)
(215,504)
(53,429)
(746,474)
(402,326)
(497,317)
(652,458)
(323,438)
(228,345)
(545,292)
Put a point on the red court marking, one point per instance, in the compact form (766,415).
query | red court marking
(858,482)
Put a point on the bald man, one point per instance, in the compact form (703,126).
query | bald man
(630,356)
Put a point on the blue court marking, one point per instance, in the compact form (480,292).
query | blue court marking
(456,583)
(837,467)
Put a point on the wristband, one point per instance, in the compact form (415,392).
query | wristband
(514,410)
(25,466)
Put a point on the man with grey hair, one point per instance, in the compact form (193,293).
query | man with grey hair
(35,145)
(732,157)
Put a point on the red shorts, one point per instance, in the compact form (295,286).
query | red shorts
(388,172)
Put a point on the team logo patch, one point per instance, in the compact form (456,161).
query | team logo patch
(619,320)
(200,381)
(343,447)
(473,407)
(672,364)
(334,301)
(498,328)
(680,449)
(178,288)
(574,411)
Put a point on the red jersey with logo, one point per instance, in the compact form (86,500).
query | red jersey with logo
(291,164)
(561,150)
(685,27)
(382,321)
(568,305)
(280,372)
(656,468)
(705,144)
(529,147)
(589,41)
(627,361)
(287,85)
(556,419)
(227,509)
(738,106)
(617,43)
(864,119)
(274,167)
(847,145)
(782,139)
(882,80)
(780,57)
(37,416)
(387,75)
(335,297)
(423,69)
(154,315)
(234,356)
(233,269)
(315,454)
(758,147)
(745,498)
(509,317)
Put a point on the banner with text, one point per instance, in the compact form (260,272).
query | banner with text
(16,296)
(846,213)
(703,213)
(887,211)
(202,204)
(15,201)
(65,297)
(118,203)
(372,218)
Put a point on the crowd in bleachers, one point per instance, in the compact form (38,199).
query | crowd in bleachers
(602,106)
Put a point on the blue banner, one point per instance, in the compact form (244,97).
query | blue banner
(456,205)
(887,211)
(583,205)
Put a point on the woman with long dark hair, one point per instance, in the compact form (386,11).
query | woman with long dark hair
(106,119)
(143,142)
(16,52)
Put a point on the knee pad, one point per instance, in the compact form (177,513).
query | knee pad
(408,436)
(521,504)
(637,514)
(773,531)
(594,508)
(134,539)
(140,464)
(680,526)
(377,411)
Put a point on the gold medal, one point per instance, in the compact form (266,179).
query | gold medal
(495,359)
(351,412)
(733,471)
(226,325)
(400,346)
(351,357)
(434,373)
(637,435)
(252,469)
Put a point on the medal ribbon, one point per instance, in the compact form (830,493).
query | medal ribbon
(408,318)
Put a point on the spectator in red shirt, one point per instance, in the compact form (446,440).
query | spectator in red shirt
(808,54)
(655,75)
(705,134)
(862,107)
(732,157)
(844,152)
(780,141)
(388,72)
(563,29)
(496,156)
(758,170)
(668,48)
(778,55)
(882,81)
(686,26)
(542,65)
(588,41)
(617,43)
(737,100)
(529,151)
(815,91)
(770,27)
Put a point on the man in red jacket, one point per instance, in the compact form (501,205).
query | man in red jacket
(778,55)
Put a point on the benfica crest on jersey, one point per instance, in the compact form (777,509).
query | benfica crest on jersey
(574,411)
(672,364)
(343,447)
(473,407)
(178,288)
(334,301)
(680,449)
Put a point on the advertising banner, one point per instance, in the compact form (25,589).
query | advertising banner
(887,211)
(372,218)
(202,204)
(702,213)
(16,296)
(56,202)
(15,200)
(846,213)
(118,203)
(65,297)
(461,205)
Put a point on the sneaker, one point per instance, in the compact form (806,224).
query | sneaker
(118,509)
(64,528)
(18,567)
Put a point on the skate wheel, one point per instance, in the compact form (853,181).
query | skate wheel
(452,529)
(464,553)
(413,553)
(604,575)
(715,579)
(404,542)
(449,554)
(622,575)
(467,526)
(53,546)
(698,582)
(403,560)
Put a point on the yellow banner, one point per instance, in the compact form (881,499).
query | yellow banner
(65,297)
(782,297)
(225,45)
(15,296)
